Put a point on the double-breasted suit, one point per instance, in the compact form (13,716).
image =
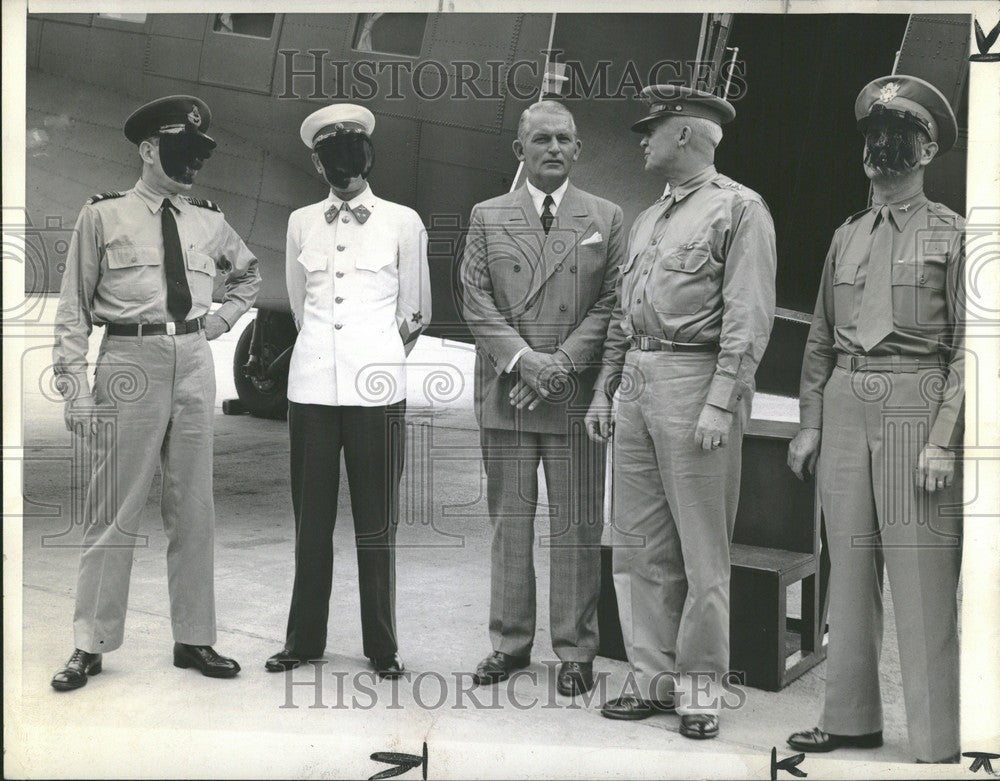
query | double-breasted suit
(523,288)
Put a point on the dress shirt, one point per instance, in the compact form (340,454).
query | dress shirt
(115,270)
(927,262)
(360,294)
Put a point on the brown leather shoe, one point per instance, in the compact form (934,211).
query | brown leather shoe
(205,659)
(497,667)
(700,726)
(633,709)
(816,740)
(575,678)
(81,665)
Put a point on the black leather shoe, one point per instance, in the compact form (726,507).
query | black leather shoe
(816,740)
(699,726)
(388,666)
(81,665)
(634,709)
(575,678)
(497,667)
(205,659)
(282,661)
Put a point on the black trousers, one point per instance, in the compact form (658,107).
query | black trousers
(373,440)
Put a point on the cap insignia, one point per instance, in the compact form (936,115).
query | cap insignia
(888,92)
(194,117)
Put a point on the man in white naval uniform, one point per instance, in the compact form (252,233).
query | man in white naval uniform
(359,288)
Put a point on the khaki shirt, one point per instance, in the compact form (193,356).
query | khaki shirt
(360,294)
(115,272)
(700,268)
(927,265)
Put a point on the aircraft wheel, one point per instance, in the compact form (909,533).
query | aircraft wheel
(263,397)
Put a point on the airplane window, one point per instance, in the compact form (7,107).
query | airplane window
(390,33)
(255,25)
(137,18)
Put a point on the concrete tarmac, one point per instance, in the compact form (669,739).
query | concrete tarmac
(143,716)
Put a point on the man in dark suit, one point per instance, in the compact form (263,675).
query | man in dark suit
(538,280)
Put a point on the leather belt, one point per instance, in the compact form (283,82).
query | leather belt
(156,329)
(895,364)
(652,344)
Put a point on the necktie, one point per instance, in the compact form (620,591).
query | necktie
(875,317)
(178,292)
(547,216)
(360,212)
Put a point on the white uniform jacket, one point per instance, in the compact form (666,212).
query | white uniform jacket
(360,294)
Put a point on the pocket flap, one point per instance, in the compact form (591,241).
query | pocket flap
(198,261)
(313,260)
(845,274)
(919,275)
(126,257)
(375,261)
(687,258)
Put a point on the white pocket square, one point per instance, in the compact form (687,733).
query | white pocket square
(595,239)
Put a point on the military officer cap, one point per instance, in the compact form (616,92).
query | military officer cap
(335,119)
(912,99)
(169,115)
(667,100)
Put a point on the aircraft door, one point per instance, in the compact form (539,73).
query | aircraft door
(239,51)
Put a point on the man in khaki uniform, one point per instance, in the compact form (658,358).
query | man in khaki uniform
(143,263)
(693,316)
(882,390)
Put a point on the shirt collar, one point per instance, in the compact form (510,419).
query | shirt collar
(901,212)
(154,200)
(696,182)
(366,197)
(538,197)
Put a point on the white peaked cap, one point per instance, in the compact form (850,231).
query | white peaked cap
(334,119)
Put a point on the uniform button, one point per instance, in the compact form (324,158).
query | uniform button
(559,267)
(339,300)
(638,300)
(653,242)
(923,279)
(341,248)
(572,269)
(345,220)
(646,271)
(338,326)
(517,267)
(739,396)
(682,264)
(340,274)
(562,307)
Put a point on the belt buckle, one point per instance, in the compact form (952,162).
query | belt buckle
(644,342)
(171,329)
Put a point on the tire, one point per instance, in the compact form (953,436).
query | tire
(263,398)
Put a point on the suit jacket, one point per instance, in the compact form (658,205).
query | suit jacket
(522,288)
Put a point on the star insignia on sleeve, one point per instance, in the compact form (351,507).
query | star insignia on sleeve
(417,317)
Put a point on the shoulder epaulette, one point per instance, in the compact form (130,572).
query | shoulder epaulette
(104,197)
(204,203)
(856,216)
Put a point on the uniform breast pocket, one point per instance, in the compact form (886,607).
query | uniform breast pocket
(681,279)
(133,274)
(312,260)
(201,276)
(843,292)
(918,294)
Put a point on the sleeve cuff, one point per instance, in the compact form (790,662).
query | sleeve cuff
(230,313)
(725,392)
(810,415)
(570,358)
(513,361)
(946,434)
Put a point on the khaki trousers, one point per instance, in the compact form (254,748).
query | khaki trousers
(674,512)
(874,427)
(159,393)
